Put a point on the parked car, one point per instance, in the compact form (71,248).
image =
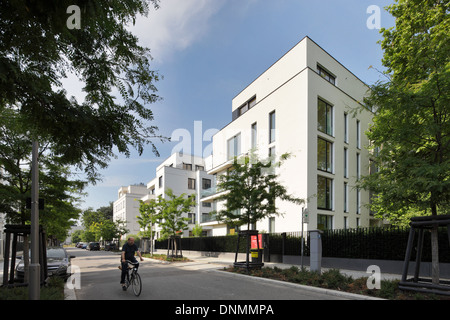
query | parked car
(93,246)
(110,246)
(84,246)
(80,245)
(58,261)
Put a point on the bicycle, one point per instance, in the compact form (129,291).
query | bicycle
(134,279)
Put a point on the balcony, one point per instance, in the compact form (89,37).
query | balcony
(206,217)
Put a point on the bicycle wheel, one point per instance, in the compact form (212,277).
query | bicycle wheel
(137,284)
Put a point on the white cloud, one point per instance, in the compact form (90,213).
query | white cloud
(175,26)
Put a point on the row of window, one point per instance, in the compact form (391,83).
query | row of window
(325,158)
(325,222)
(325,122)
(206,183)
(234,143)
(325,195)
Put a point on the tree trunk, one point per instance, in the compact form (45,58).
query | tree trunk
(434,250)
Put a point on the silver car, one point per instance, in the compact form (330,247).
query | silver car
(58,261)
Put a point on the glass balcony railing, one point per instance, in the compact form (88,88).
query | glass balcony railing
(206,217)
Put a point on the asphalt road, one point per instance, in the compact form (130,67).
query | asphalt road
(100,277)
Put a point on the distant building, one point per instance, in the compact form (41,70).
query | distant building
(181,173)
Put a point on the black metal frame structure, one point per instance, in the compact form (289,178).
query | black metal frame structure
(419,225)
(16,231)
(247,264)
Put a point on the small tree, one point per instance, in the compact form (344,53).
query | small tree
(171,211)
(251,191)
(197,231)
(148,215)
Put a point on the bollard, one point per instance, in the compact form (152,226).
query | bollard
(315,237)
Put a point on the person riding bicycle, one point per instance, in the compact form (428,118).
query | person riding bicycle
(128,251)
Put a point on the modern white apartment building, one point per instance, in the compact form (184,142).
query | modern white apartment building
(303,105)
(180,172)
(126,207)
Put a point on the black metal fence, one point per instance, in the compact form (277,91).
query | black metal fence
(210,244)
(362,243)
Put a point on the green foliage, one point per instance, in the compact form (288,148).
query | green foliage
(197,231)
(38,50)
(99,224)
(171,210)
(148,216)
(251,190)
(58,187)
(411,126)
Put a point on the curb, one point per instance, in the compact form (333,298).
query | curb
(330,292)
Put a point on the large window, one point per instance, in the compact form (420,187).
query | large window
(234,146)
(206,184)
(324,155)
(324,222)
(324,193)
(325,117)
(191,183)
(272,127)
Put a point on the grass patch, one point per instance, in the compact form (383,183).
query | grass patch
(163,257)
(333,279)
(53,290)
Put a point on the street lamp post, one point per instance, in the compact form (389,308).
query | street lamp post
(35,268)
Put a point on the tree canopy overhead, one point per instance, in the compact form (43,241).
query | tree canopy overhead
(38,50)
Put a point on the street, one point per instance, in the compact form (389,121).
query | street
(100,277)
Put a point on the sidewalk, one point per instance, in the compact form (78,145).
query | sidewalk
(227,261)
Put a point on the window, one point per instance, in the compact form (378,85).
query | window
(358,201)
(191,217)
(254,135)
(187,166)
(326,75)
(160,180)
(324,222)
(325,117)
(345,127)
(324,193)
(358,166)
(206,204)
(358,134)
(191,183)
(199,168)
(345,222)
(345,163)
(246,106)
(206,184)
(345,197)
(272,127)
(272,152)
(243,109)
(234,146)
(272,225)
(324,155)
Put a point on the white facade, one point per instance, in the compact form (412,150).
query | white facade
(126,207)
(303,105)
(181,173)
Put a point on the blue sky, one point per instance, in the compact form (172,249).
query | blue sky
(209,50)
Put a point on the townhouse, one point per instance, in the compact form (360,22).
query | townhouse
(306,104)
